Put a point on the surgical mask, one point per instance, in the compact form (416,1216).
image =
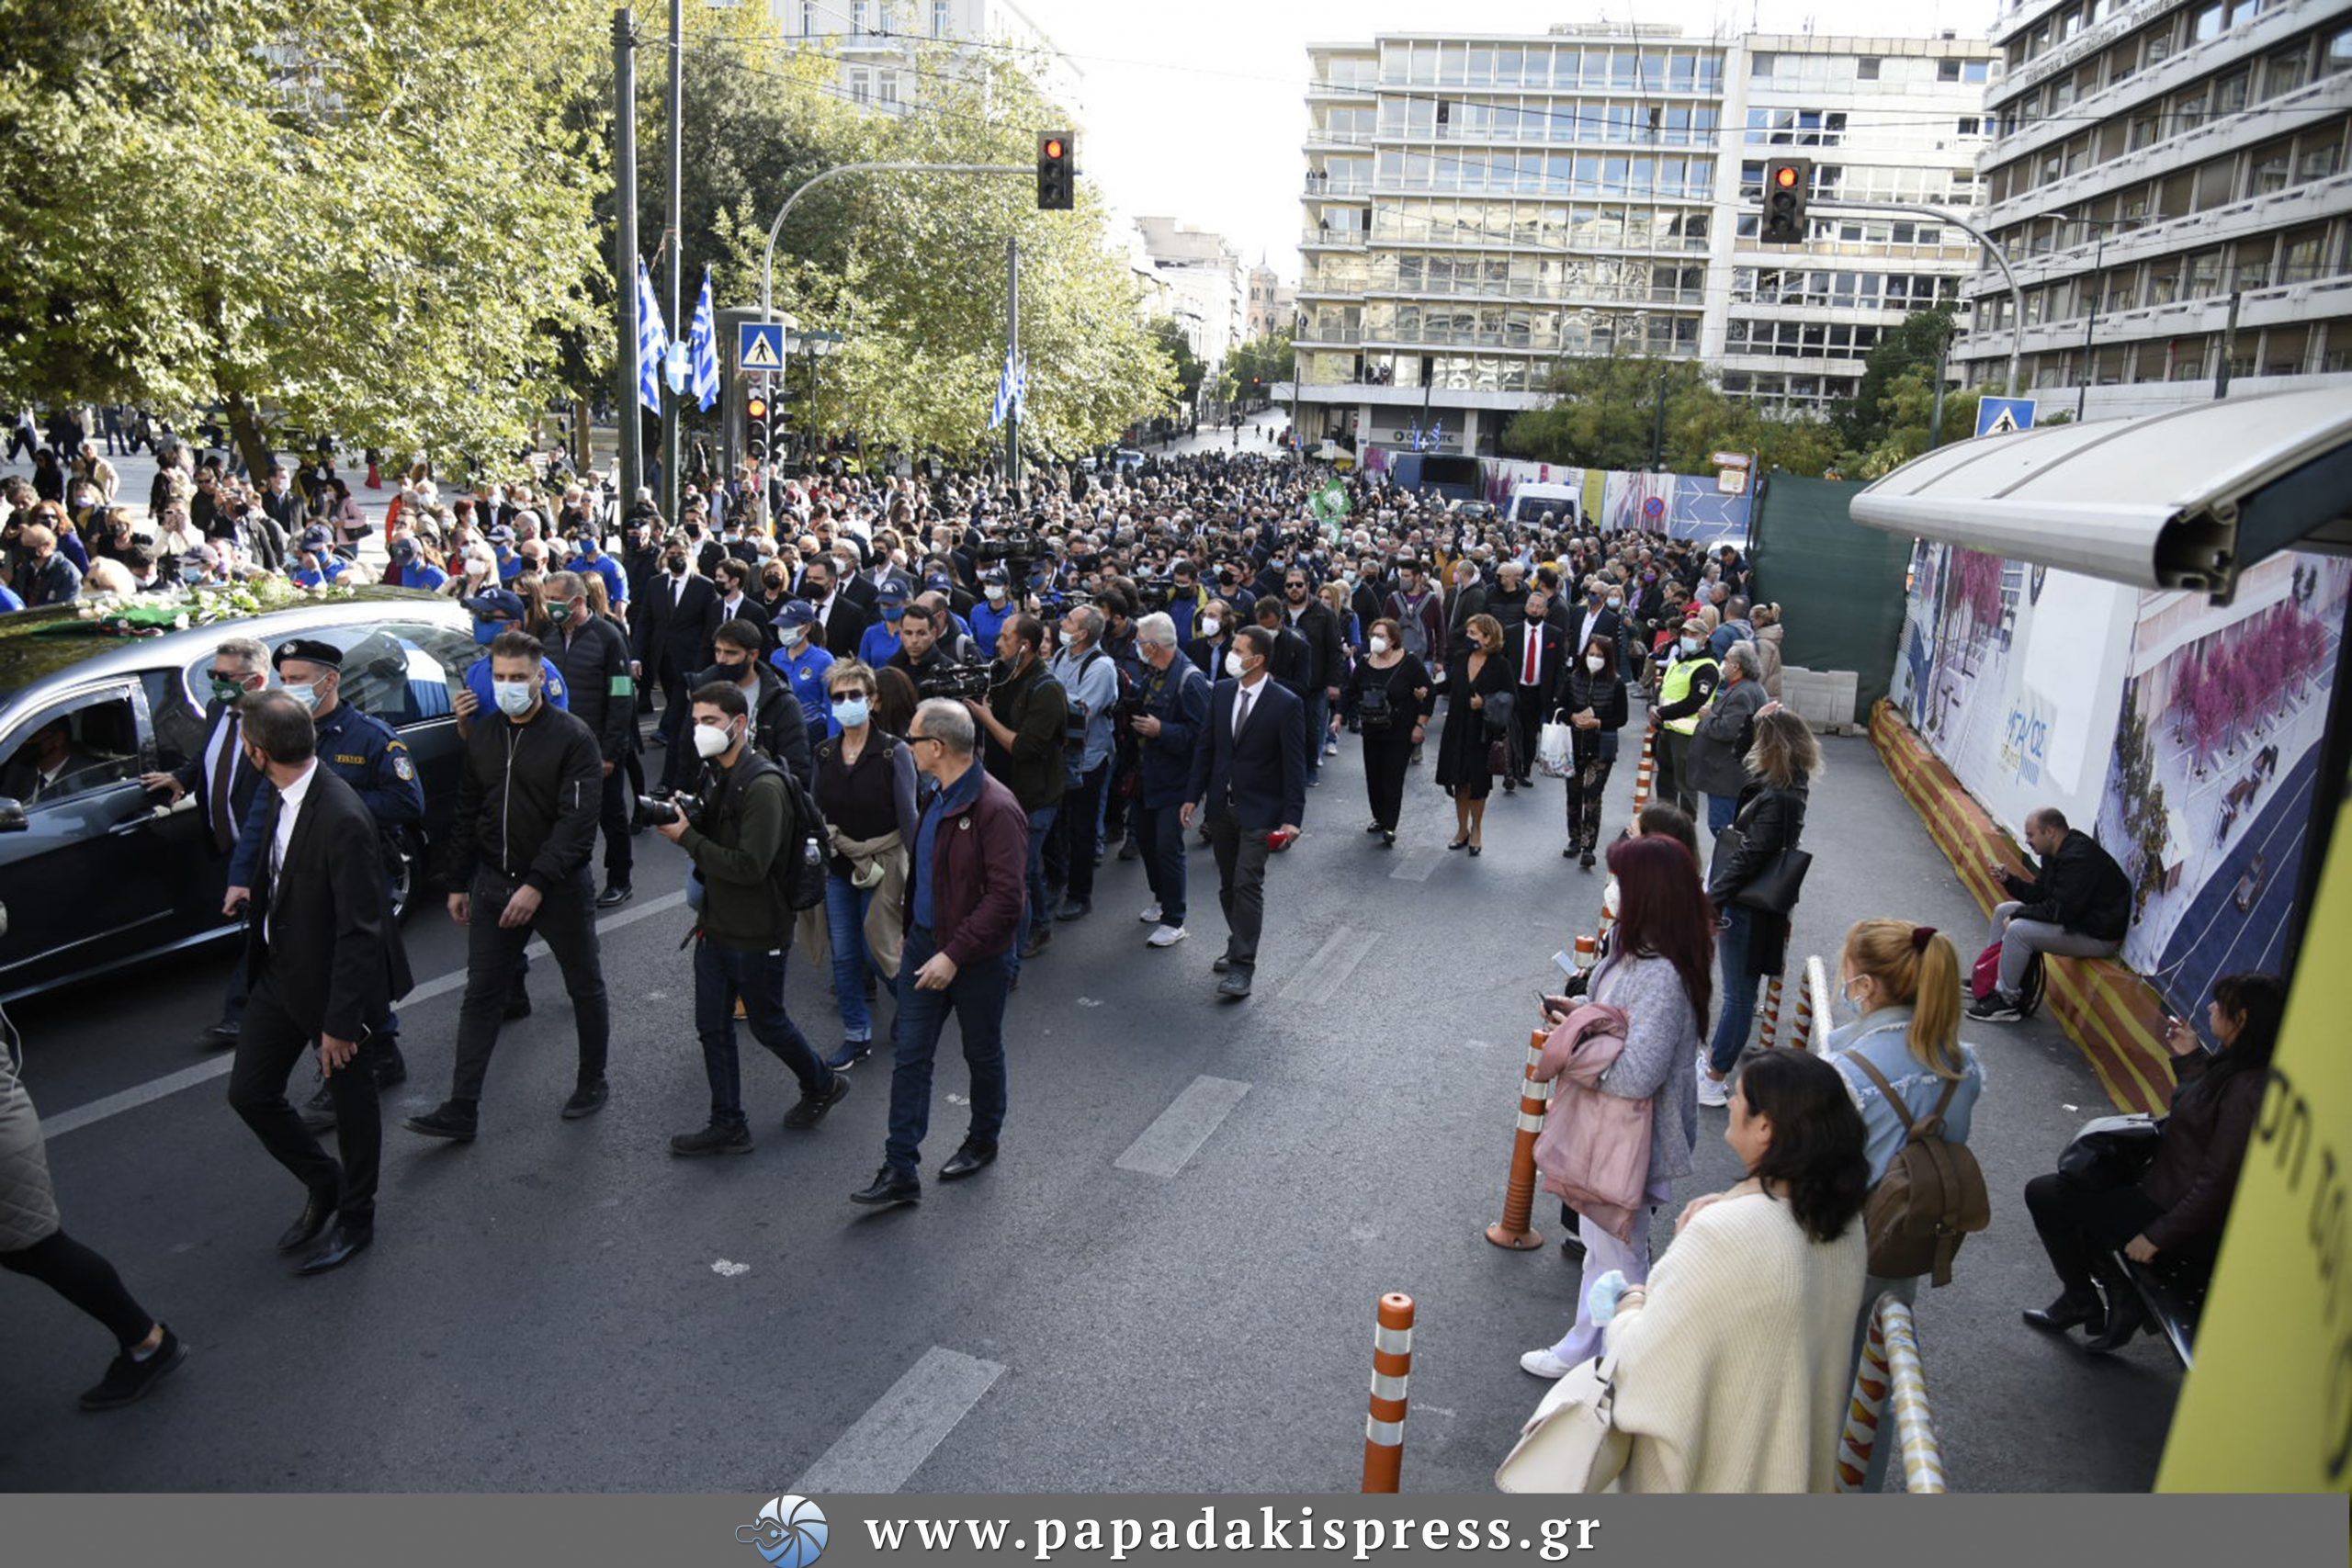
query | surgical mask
(1211,625)
(1616,601)
(307,696)
(1595,664)
(191,575)
(851,712)
(995,594)
(486,632)
(795,636)
(585,546)
(1690,644)
(1378,645)
(1848,1001)
(1233,665)
(559,611)
(514,697)
(711,741)
(893,612)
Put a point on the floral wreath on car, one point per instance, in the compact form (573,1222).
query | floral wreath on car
(152,614)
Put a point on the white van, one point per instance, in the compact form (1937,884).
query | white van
(1529,503)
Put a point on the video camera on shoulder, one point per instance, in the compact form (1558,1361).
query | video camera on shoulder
(942,678)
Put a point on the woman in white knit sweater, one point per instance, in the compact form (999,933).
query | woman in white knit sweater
(1732,1363)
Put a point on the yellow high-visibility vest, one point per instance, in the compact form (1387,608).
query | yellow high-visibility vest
(1676,685)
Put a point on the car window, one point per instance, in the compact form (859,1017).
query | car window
(403,672)
(70,747)
(179,722)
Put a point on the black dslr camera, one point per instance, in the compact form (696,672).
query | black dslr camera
(654,811)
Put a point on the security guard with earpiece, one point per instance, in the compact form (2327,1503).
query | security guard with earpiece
(364,753)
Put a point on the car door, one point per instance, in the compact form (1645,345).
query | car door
(81,883)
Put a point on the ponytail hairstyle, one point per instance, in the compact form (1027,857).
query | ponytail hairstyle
(1817,1154)
(1918,968)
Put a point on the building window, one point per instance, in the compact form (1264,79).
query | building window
(1866,68)
(886,86)
(858,16)
(861,85)
(1969,125)
(1946,69)
(807,18)
(2337,56)
(2207,23)
(1975,70)
(942,13)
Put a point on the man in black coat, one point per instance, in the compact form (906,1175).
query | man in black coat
(1594,618)
(1537,654)
(1327,642)
(323,957)
(676,621)
(779,728)
(1249,778)
(2079,905)
(839,617)
(592,655)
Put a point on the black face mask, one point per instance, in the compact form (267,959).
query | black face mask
(677,565)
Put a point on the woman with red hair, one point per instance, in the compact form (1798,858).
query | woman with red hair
(1658,975)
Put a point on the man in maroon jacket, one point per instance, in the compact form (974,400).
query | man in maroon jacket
(965,888)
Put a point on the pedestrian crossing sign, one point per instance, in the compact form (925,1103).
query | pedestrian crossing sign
(2004,416)
(759,345)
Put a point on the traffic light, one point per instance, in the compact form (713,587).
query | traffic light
(1057,172)
(755,424)
(1787,181)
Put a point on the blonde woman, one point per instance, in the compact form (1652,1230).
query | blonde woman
(865,788)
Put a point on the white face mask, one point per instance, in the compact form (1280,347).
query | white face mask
(1379,645)
(1690,644)
(712,741)
(995,594)
(1233,665)
(1595,664)
(1210,626)
(514,697)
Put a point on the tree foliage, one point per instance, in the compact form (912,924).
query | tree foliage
(372,215)
(1604,411)
(1169,333)
(1262,362)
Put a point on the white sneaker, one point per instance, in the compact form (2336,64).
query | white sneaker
(1713,1090)
(1165,936)
(1150,916)
(1545,1364)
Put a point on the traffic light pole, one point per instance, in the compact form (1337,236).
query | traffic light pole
(1012,357)
(674,242)
(2017,295)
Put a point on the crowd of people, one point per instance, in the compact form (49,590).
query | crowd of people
(898,722)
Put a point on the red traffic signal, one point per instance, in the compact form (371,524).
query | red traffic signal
(1787,182)
(1057,172)
(1784,176)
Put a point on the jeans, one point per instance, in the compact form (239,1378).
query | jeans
(721,975)
(2020,940)
(1740,990)
(567,919)
(1080,819)
(845,907)
(975,997)
(1318,726)
(1041,825)
(1240,884)
(1163,859)
(1721,811)
(273,1041)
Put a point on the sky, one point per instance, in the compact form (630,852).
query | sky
(1198,110)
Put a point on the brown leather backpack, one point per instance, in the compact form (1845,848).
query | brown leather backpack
(1931,1198)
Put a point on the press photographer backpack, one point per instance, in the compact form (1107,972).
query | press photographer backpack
(1931,1198)
(798,873)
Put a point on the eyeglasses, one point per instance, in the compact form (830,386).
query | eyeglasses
(919,739)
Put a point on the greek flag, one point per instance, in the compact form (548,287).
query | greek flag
(702,349)
(652,343)
(1012,389)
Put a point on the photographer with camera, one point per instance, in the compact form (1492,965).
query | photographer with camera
(1090,681)
(742,836)
(1025,714)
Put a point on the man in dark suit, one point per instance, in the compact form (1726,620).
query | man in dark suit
(224,783)
(323,957)
(1249,781)
(680,621)
(1535,651)
(839,617)
(1594,618)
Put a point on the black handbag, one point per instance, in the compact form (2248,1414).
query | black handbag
(1773,890)
(2112,1152)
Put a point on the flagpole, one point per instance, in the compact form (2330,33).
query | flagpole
(1012,357)
(631,430)
(674,242)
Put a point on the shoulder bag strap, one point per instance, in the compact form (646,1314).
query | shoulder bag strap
(1912,1130)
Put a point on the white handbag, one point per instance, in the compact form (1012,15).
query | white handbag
(1572,1443)
(1553,747)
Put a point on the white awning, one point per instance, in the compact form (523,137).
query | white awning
(2181,499)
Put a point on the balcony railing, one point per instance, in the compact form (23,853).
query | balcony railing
(1355,239)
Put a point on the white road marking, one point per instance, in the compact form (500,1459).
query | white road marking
(1320,977)
(1417,865)
(900,1430)
(131,1098)
(1178,1133)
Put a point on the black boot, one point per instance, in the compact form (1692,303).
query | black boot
(2126,1315)
(2069,1311)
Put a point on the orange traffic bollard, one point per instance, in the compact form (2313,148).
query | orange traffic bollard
(1516,1229)
(1773,1013)
(1392,1366)
(1800,1036)
(1589,950)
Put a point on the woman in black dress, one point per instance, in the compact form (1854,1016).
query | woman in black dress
(1592,693)
(1390,695)
(1473,677)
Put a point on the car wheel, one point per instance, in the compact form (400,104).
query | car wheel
(408,877)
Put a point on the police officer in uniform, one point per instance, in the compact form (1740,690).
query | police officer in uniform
(364,752)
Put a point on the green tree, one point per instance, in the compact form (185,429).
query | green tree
(1169,333)
(1862,420)
(1907,416)
(374,215)
(1605,408)
(1259,364)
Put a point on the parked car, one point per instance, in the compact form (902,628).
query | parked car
(96,874)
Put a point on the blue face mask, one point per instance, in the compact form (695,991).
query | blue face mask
(585,546)
(486,632)
(851,712)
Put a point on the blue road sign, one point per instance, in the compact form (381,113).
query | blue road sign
(759,345)
(2004,416)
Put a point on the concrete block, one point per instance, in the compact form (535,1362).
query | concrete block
(1823,698)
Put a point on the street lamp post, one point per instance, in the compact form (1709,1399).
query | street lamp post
(2090,304)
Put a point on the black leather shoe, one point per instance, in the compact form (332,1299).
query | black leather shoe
(344,1245)
(452,1121)
(2126,1315)
(220,1035)
(1219,964)
(518,1005)
(1234,985)
(2067,1311)
(586,1100)
(812,1107)
(1039,940)
(313,1220)
(965,1160)
(613,897)
(889,1188)
(391,1067)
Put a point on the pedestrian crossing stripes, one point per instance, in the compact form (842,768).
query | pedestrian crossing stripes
(885,1445)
